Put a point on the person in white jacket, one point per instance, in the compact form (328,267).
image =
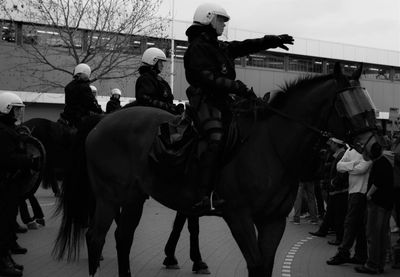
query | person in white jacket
(358,167)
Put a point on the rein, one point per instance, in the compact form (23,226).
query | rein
(324,134)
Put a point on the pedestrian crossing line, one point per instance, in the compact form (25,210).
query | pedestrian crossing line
(290,256)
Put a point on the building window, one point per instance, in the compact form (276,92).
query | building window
(8,32)
(396,75)
(265,59)
(376,72)
(312,65)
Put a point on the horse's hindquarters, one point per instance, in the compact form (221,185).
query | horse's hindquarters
(117,151)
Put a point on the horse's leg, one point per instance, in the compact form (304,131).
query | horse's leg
(199,267)
(95,237)
(244,233)
(269,235)
(170,260)
(127,222)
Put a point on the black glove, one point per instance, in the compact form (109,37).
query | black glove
(180,108)
(171,108)
(243,91)
(280,41)
(240,88)
(23,130)
(36,164)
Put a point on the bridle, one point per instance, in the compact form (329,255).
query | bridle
(324,134)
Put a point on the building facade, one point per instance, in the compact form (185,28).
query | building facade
(264,71)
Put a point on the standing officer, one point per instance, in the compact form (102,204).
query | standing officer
(13,161)
(210,70)
(79,98)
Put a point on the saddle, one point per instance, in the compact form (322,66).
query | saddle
(179,143)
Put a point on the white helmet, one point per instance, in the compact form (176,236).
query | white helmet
(116,91)
(205,13)
(8,100)
(82,68)
(152,55)
(93,88)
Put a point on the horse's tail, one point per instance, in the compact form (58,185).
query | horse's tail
(76,201)
(48,176)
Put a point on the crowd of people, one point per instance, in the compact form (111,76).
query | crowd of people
(361,195)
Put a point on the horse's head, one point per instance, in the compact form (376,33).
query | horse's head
(311,109)
(355,108)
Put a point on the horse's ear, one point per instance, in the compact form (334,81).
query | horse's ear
(357,74)
(337,70)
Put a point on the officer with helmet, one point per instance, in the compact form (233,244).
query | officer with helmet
(151,89)
(79,98)
(13,160)
(210,71)
(114,103)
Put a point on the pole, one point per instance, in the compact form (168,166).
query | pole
(172,47)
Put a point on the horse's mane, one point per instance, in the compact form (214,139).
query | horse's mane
(259,107)
(292,86)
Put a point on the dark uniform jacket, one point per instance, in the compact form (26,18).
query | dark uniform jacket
(153,91)
(12,153)
(79,101)
(112,105)
(381,175)
(209,63)
(339,181)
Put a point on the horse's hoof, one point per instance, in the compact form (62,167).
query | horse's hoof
(174,266)
(202,271)
(171,263)
(101,257)
(200,268)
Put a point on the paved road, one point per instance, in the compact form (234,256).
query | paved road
(299,254)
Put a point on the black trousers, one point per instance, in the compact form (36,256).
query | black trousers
(397,205)
(193,227)
(8,214)
(354,227)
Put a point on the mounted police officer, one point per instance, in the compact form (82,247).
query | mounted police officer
(114,103)
(79,98)
(13,160)
(210,70)
(151,89)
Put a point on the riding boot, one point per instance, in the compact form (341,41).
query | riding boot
(15,264)
(208,170)
(7,267)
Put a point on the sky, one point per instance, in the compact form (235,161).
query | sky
(368,23)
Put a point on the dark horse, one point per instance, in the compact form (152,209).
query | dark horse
(57,140)
(259,183)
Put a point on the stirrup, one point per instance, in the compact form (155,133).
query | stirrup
(211,201)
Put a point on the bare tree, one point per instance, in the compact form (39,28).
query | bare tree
(106,34)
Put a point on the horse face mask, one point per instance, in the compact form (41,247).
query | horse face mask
(355,104)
